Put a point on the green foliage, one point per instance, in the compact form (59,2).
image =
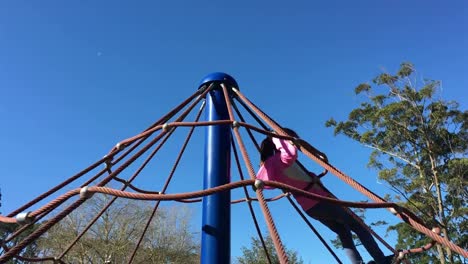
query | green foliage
(419,147)
(363,87)
(7,229)
(406,69)
(255,254)
(113,237)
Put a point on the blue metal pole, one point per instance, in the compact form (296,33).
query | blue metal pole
(216,219)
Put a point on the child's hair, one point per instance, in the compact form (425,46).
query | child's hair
(268,148)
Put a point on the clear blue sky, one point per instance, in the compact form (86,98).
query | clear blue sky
(78,76)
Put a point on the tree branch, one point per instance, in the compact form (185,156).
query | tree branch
(393,155)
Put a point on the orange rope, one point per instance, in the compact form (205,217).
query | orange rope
(283,257)
(405,215)
(163,124)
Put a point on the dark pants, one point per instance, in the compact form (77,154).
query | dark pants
(342,223)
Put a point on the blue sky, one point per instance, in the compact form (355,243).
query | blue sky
(78,76)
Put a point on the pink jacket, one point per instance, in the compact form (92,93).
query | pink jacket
(282,167)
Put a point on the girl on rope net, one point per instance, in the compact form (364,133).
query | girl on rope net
(278,163)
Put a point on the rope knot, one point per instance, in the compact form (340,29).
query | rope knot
(24,218)
(258,185)
(401,255)
(85,193)
(108,161)
(120,146)
(395,210)
(166,128)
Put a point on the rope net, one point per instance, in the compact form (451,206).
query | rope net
(38,216)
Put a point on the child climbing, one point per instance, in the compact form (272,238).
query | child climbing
(278,163)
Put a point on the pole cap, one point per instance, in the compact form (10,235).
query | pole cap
(219,77)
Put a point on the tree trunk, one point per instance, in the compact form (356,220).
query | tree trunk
(449,251)
(440,206)
(441,254)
